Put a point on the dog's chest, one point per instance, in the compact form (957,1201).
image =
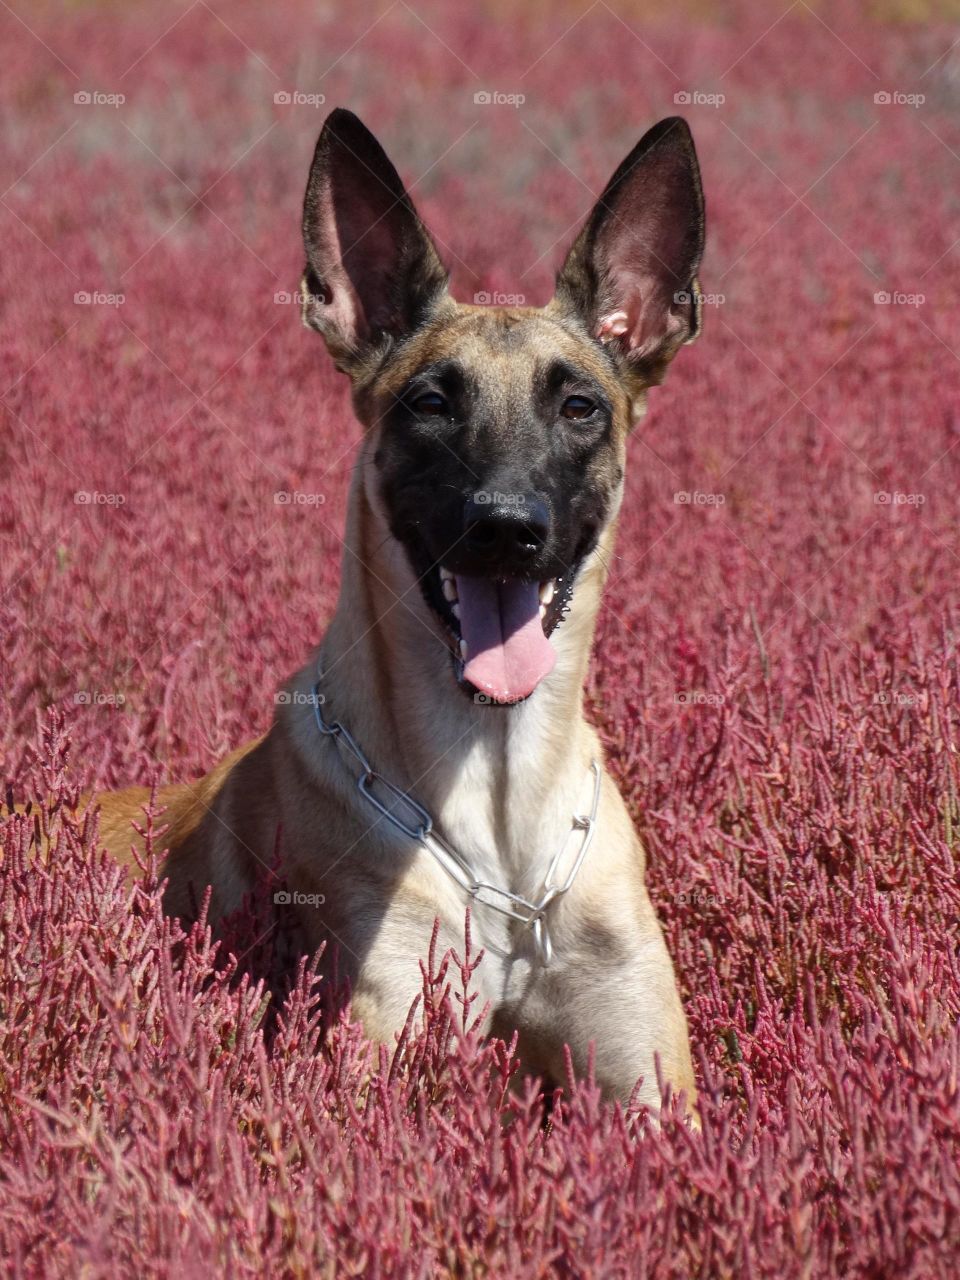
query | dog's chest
(510,848)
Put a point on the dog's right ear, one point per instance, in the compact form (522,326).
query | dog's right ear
(372,271)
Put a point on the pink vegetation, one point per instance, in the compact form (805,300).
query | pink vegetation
(776,676)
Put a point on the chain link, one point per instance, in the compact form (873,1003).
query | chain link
(419,826)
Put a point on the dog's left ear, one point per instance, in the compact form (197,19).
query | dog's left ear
(372,271)
(631,276)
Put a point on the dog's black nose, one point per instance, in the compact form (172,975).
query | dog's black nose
(506,527)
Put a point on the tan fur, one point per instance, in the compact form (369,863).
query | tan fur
(501,785)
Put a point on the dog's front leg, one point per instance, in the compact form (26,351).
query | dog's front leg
(381,949)
(618,994)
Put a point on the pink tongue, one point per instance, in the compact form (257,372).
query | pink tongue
(507,653)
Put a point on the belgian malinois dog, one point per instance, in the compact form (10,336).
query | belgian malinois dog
(435,753)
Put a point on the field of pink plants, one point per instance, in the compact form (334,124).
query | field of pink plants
(777,676)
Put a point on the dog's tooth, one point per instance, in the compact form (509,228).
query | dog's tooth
(445,575)
(455,610)
(546,591)
(463,650)
(449,589)
(543,612)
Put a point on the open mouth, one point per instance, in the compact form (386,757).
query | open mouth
(499,629)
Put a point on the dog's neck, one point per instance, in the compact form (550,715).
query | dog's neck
(506,776)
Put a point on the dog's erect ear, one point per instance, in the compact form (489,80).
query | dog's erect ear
(372,270)
(631,274)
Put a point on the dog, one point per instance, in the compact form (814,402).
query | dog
(435,754)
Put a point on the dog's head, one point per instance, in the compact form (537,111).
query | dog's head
(500,432)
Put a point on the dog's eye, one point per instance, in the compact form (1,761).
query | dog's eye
(577,407)
(430,404)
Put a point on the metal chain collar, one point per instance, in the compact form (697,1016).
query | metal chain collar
(419,827)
